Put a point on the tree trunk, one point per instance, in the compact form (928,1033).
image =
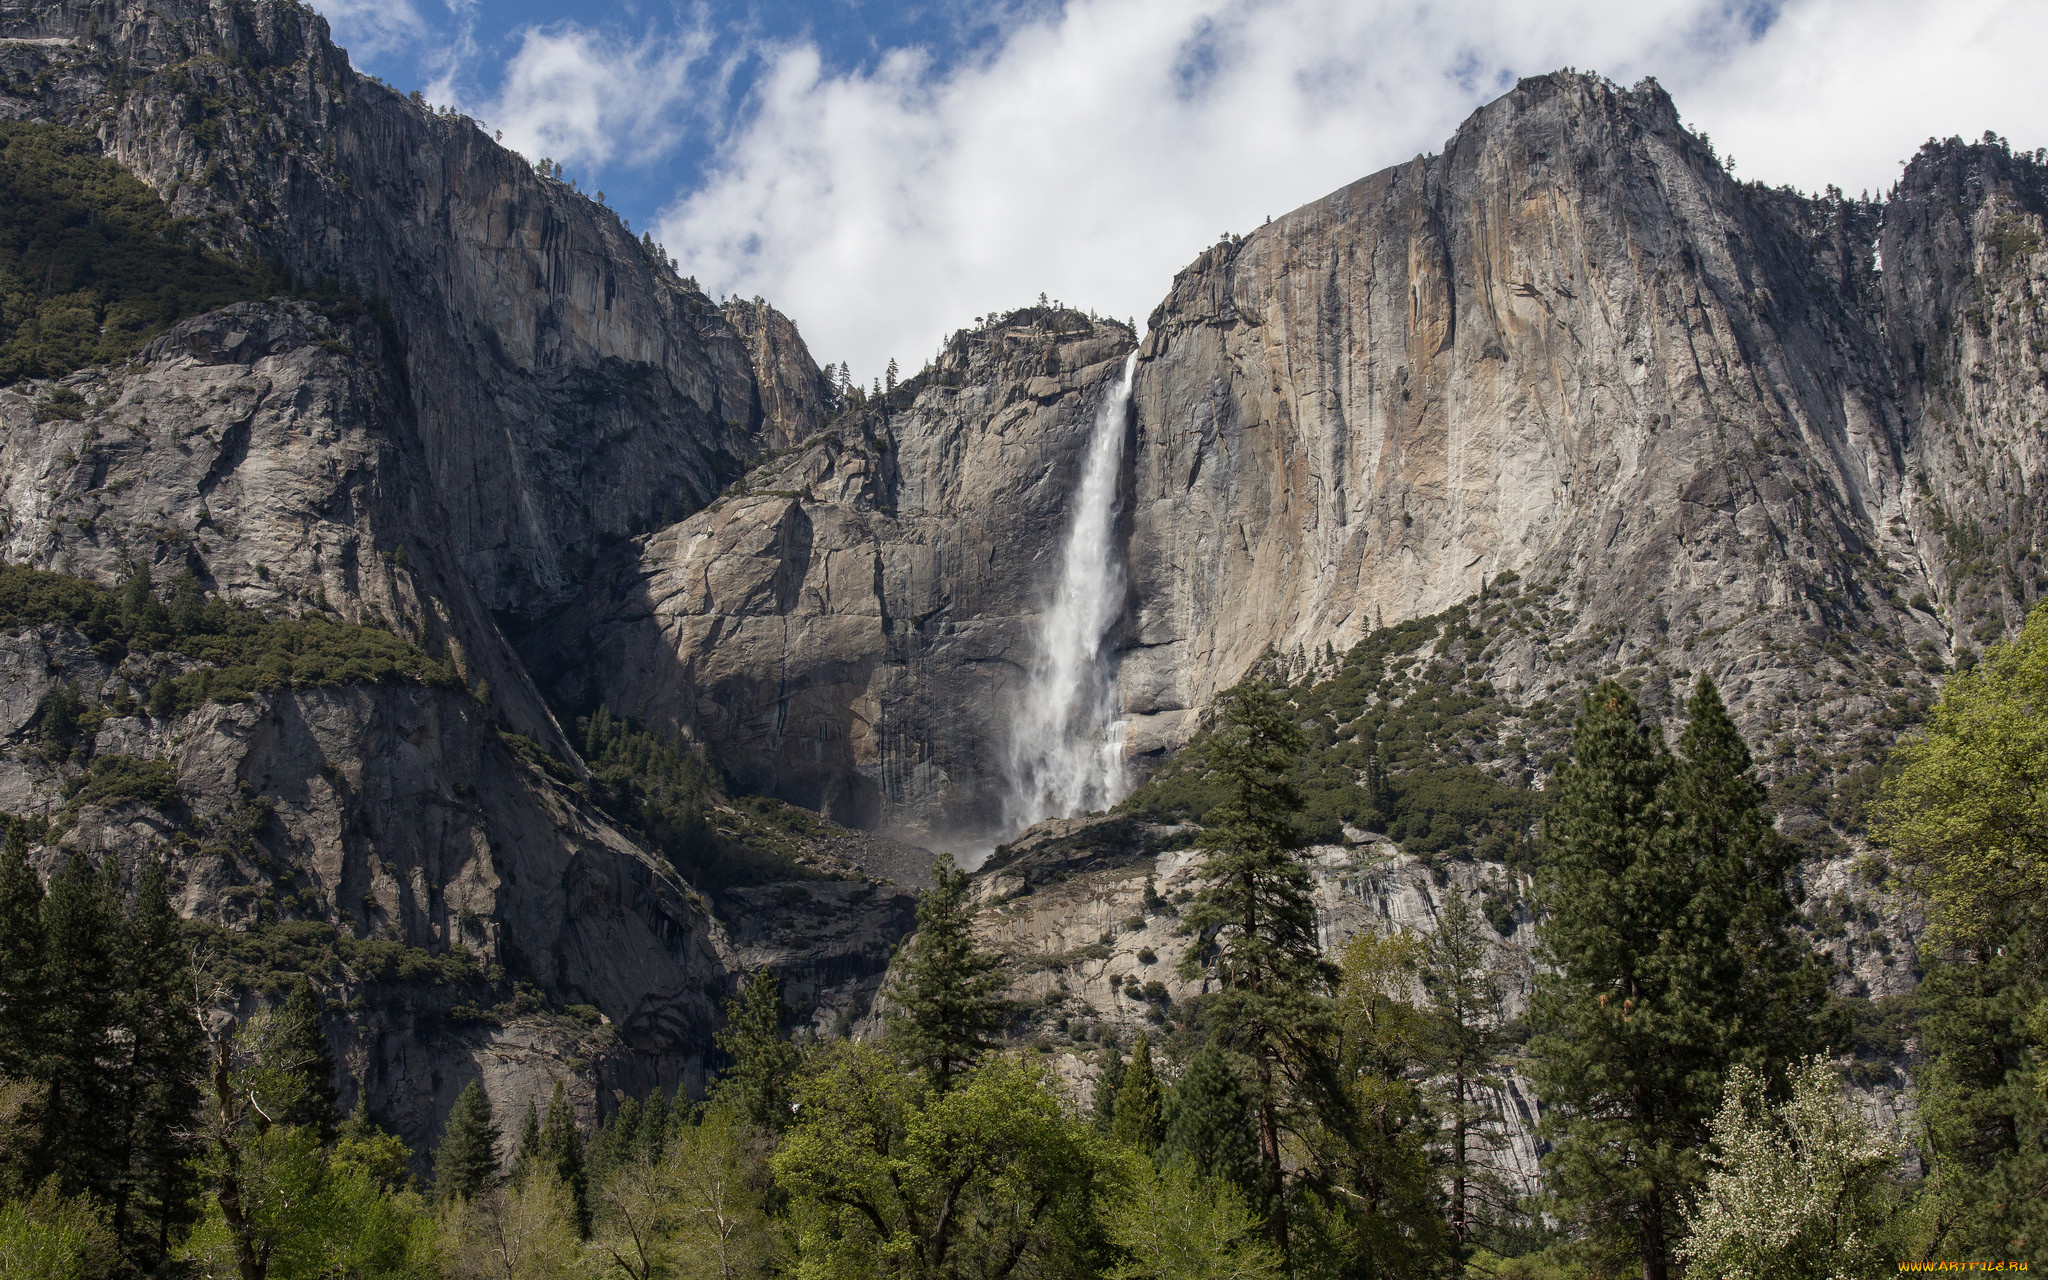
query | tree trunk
(1269,1152)
(1650,1233)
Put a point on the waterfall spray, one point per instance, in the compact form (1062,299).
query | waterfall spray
(1066,743)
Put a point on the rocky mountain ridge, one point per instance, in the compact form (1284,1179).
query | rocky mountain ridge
(1790,441)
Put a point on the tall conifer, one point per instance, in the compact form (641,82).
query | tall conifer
(304,1045)
(82,1100)
(1255,904)
(164,1054)
(1102,1103)
(24,979)
(1211,1128)
(561,1153)
(1652,869)
(756,1083)
(1463,988)
(466,1162)
(948,1000)
(1139,1102)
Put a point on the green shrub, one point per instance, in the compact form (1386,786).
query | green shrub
(112,779)
(245,652)
(92,264)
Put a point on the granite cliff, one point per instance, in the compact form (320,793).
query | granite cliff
(1627,414)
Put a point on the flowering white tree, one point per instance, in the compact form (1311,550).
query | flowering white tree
(1804,1188)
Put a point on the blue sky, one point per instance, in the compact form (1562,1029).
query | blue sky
(887,172)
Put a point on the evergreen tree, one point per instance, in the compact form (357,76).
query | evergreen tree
(1139,1103)
(305,1047)
(1652,868)
(82,1099)
(1211,1130)
(561,1153)
(1111,1078)
(655,1120)
(526,1156)
(466,1162)
(24,980)
(164,1053)
(1464,993)
(756,1083)
(1254,904)
(1721,827)
(948,1001)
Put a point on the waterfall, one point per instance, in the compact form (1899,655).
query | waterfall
(1066,744)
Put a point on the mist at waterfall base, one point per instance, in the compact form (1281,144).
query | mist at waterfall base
(1066,752)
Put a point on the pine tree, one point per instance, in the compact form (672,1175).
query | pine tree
(1722,825)
(1464,993)
(1652,868)
(526,1156)
(1254,903)
(948,1000)
(655,1120)
(305,1047)
(82,1102)
(165,1052)
(1103,1103)
(466,1162)
(1211,1129)
(756,1084)
(25,1003)
(1139,1103)
(561,1153)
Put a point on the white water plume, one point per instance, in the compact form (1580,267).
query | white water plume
(1066,743)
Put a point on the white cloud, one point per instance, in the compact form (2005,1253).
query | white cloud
(1842,91)
(1098,149)
(589,98)
(373,28)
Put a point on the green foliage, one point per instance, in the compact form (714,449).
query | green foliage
(1173,1222)
(670,795)
(561,1156)
(1802,1188)
(1464,987)
(92,265)
(888,1175)
(1210,1125)
(1965,809)
(947,1000)
(1253,909)
(466,1162)
(282,1203)
(51,1236)
(1666,930)
(116,779)
(1139,1123)
(755,1084)
(245,652)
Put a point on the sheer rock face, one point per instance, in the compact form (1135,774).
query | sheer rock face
(851,626)
(564,384)
(1569,347)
